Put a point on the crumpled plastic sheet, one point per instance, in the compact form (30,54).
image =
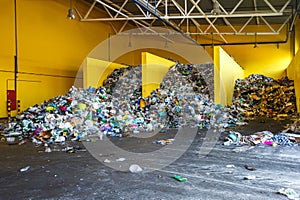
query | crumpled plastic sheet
(283,139)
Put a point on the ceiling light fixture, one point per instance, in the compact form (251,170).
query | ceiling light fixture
(71,14)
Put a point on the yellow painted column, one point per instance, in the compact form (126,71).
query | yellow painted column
(293,73)
(154,68)
(95,71)
(226,72)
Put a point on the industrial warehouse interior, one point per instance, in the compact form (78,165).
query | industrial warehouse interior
(150,99)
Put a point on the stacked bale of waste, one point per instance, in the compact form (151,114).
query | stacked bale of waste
(258,95)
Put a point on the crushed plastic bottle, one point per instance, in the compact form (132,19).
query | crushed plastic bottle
(134,168)
(290,193)
(25,169)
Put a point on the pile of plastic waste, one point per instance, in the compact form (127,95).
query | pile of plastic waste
(118,109)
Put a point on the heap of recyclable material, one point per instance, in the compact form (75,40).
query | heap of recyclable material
(258,95)
(124,81)
(118,109)
(207,72)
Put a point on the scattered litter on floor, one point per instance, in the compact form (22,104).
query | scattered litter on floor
(242,148)
(263,137)
(249,168)
(47,148)
(230,166)
(290,193)
(250,177)
(73,149)
(120,159)
(134,168)
(282,139)
(293,137)
(10,140)
(25,169)
(163,142)
(179,178)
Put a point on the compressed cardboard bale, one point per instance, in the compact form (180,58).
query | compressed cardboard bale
(259,95)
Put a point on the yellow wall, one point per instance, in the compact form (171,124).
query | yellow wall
(293,72)
(50,44)
(297,34)
(154,68)
(50,48)
(226,71)
(96,71)
(267,59)
(133,58)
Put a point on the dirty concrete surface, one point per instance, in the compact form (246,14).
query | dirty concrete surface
(61,175)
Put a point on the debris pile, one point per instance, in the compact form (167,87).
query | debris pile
(289,193)
(124,81)
(292,130)
(195,74)
(118,109)
(258,95)
(263,137)
(293,127)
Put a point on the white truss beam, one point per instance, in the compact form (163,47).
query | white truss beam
(255,8)
(188,13)
(270,5)
(208,20)
(240,15)
(236,7)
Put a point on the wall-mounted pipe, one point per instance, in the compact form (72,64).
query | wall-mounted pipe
(288,33)
(40,74)
(33,81)
(16,47)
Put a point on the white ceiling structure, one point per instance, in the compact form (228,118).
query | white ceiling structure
(215,19)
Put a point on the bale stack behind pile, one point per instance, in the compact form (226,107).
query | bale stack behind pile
(258,95)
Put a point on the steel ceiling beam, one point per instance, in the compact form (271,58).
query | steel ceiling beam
(174,13)
(190,16)
(120,11)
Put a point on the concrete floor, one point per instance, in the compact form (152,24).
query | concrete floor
(60,175)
